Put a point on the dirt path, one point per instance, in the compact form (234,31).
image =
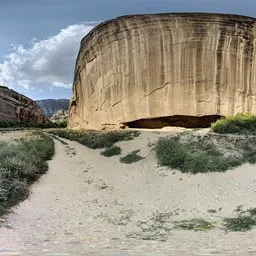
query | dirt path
(90,204)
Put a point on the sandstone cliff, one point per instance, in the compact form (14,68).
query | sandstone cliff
(17,107)
(135,70)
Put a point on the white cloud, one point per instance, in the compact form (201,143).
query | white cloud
(47,62)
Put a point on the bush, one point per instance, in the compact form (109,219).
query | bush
(62,124)
(8,123)
(114,150)
(22,163)
(244,221)
(26,124)
(95,139)
(131,157)
(194,157)
(238,124)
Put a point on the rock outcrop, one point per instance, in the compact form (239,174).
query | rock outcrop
(17,107)
(51,106)
(166,67)
(59,116)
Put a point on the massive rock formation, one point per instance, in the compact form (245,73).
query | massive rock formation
(51,106)
(178,69)
(17,107)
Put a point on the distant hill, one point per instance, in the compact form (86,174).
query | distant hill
(51,106)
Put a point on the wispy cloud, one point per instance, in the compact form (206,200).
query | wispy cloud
(46,62)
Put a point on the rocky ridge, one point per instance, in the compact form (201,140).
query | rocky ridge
(51,106)
(17,107)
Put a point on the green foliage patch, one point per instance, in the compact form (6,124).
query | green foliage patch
(22,163)
(131,157)
(243,221)
(112,151)
(96,139)
(194,157)
(237,124)
(25,124)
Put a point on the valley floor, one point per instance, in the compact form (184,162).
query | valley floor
(94,205)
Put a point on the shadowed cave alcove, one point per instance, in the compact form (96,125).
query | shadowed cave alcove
(177,120)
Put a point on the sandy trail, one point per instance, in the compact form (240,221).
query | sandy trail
(94,205)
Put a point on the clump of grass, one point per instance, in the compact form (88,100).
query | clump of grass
(131,157)
(248,149)
(244,221)
(194,157)
(96,139)
(238,124)
(21,164)
(212,211)
(113,151)
(194,224)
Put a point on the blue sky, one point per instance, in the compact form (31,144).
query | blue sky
(40,39)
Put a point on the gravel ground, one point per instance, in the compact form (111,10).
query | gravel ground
(88,204)
(14,135)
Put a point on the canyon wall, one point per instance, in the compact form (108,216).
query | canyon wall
(17,107)
(144,67)
(51,106)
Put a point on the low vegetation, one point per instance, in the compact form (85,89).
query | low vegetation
(131,157)
(21,163)
(243,221)
(96,139)
(237,124)
(207,153)
(112,151)
(61,124)
(192,157)
(23,124)
(194,224)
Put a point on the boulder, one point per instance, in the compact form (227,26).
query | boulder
(164,69)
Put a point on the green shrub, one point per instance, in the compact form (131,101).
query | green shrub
(63,123)
(95,139)
(194,157)
(22,163)
(12,191)
(8,123)
(114,150)
(239,124)
(131,157)
(26,124)
(244,221)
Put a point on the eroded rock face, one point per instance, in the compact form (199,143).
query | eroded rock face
(163,65)
(17,107)
(51,106)
(59,116)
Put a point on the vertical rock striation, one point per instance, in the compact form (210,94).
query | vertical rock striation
(164,65)
(17,107)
